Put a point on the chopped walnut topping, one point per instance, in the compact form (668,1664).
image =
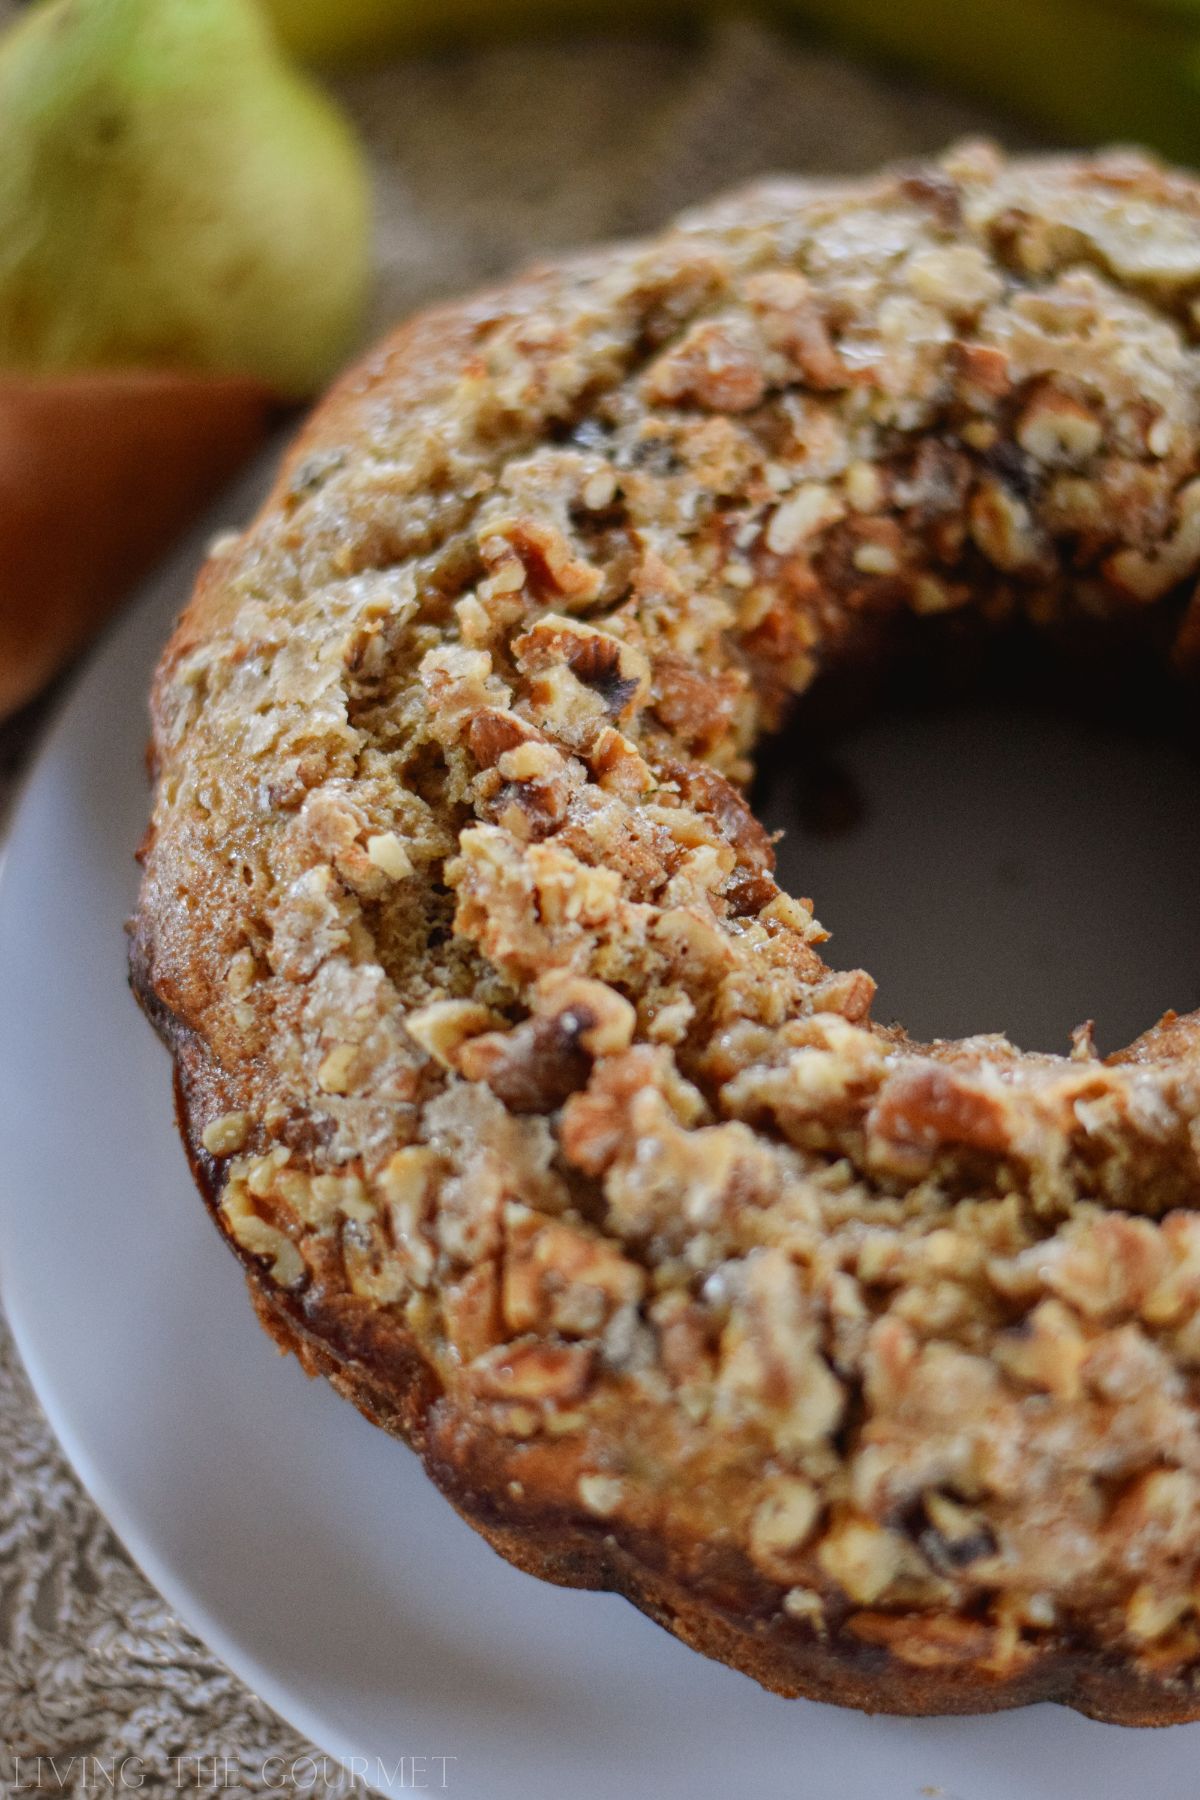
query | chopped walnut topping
(532,1371)
(454,891)
(385,850)
(806,1606)
(336,1073)
(241,973)
(614,671)
(1047,1351)
(771,1361)
(810,510)
(784,1521)
(227,1135)
(258,1235)
(405,1178)
(1148,575)
(959,277)
(1058,430)
(717,365)
(600,490)
(1150,1615)
(560,1278)
(601,1494)
(444,1026)
(552,565)
(865,1559)
(876,559)
(1004,528)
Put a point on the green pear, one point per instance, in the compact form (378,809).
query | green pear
(173,194)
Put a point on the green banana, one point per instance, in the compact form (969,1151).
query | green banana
(1089,71)
(349,30)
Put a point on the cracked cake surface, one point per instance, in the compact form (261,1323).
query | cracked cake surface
(530,1102)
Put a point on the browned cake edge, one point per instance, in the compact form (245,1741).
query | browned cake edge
(345,1341)
(378,1363)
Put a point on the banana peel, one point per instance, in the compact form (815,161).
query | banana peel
(1085,70)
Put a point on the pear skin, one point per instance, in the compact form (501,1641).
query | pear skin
(99,473)
(173,195)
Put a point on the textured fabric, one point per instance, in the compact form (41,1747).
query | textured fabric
(481,163)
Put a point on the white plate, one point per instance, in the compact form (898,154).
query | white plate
(305,1547)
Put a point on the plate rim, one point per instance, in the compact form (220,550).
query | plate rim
(194,1615)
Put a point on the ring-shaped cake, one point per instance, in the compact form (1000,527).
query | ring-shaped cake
(523,1092)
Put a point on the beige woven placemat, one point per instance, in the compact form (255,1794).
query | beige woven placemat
(481,162)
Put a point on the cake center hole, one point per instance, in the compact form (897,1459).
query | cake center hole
(998,866)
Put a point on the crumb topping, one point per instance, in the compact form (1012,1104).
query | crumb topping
(514,1040)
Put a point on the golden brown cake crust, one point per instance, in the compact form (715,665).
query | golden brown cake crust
(525,1095)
